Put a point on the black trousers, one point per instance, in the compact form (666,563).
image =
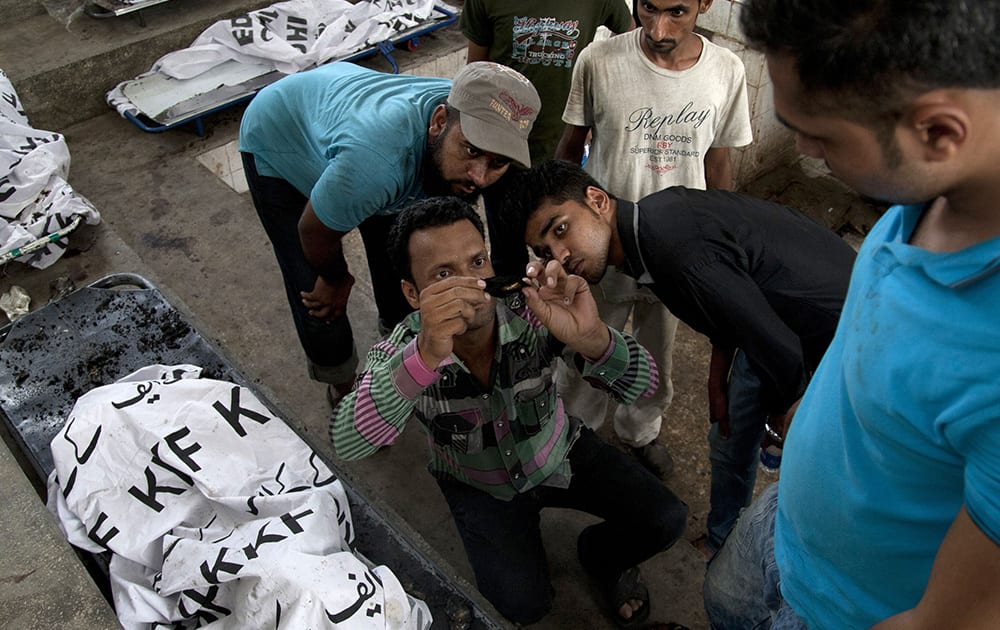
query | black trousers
(503,540)
(329,346)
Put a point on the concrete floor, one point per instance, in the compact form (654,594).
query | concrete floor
(170,219)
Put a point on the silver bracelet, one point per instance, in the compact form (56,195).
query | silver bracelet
(774,434)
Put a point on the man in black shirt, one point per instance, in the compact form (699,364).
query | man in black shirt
(764,282)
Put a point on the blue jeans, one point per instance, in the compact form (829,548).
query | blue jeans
(742,586)
(329,347)
(504,544)
(734,459)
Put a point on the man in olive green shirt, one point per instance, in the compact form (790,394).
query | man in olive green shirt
(541,40)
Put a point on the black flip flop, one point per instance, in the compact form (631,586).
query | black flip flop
(629,585)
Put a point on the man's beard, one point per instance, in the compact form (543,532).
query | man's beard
(485,318)
(434,184)
(595,275)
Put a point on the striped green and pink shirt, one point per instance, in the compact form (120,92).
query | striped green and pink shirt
(504,439)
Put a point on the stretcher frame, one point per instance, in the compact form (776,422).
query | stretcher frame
(115,8)
(101,9)
(227,96)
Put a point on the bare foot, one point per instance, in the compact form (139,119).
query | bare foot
(629,608)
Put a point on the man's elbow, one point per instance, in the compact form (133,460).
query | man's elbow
(351,451)
(345,444)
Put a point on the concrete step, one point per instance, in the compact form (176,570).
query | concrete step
(44,585)
(13,10)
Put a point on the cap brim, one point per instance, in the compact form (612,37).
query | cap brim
(495,139)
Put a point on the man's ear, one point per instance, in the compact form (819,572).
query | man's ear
(941,128)
(410,293)
(704,6)
(598,200)
(439,120)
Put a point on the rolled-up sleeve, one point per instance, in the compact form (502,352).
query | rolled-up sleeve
(376,412)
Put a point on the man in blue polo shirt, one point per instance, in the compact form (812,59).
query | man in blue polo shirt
(342,147)
(887,513)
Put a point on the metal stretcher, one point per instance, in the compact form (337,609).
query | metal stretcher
(232,83)
(120,323)
(114,8)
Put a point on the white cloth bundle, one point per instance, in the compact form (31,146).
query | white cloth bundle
(35,199)
(215,511)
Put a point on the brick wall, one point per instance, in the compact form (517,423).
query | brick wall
(772,143)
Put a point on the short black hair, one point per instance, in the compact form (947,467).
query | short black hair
(870,57)
(553,181)
(429,213)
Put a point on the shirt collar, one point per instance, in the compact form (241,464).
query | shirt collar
(954,270)
(628,232)
(511,324)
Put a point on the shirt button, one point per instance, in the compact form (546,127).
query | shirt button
(603,372)
(500,425)
(486,396)
(507,453)
(517,475)
(541,404)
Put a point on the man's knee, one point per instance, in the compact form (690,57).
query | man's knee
(741,584)
(663,520)
(669,520)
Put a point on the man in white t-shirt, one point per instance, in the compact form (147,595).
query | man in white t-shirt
(663,105)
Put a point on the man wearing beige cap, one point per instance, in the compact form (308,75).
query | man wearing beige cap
(342,147)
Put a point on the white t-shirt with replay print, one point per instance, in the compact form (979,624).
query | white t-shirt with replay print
(651,126)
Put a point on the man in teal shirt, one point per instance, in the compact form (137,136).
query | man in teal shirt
(887,513)
(342,147)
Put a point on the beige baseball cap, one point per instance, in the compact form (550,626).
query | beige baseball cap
(497,108)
